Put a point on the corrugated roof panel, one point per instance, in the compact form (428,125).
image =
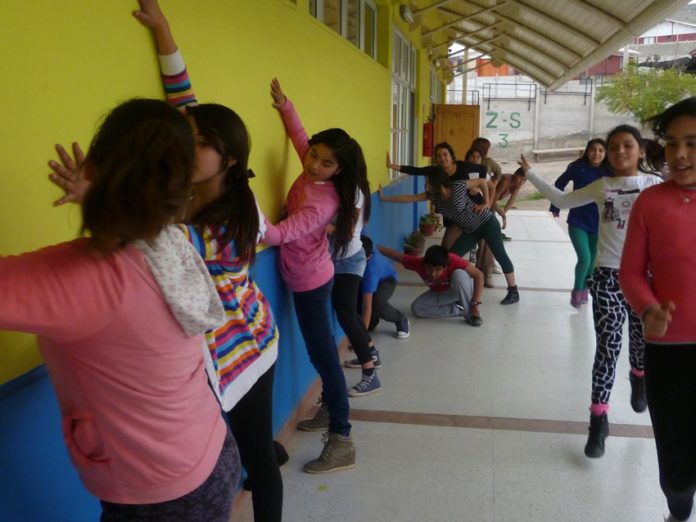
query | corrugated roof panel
(549,40)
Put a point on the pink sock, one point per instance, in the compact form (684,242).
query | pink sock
(599,409)
(638,373)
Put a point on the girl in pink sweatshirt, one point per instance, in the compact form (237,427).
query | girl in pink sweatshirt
(333,165)
(657,278)
(120,316)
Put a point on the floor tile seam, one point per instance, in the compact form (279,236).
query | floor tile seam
(443,420)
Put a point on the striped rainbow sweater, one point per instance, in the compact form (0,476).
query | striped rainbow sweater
(246,346)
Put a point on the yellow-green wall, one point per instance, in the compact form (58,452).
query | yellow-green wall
(67,62)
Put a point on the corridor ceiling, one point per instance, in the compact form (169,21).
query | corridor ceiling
(551,41)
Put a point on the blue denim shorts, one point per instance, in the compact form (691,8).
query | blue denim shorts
(354,264)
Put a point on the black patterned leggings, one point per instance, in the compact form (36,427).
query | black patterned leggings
(610,310)
(210,502)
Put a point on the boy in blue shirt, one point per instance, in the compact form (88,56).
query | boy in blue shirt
(378,285)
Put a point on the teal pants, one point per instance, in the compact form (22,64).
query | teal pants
(491,233)
(585,245)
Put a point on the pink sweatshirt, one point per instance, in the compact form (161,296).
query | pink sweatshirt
(305,261)
(661,238)
(140,423)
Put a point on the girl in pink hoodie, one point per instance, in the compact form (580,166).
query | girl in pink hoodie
(120,317)
(333,165)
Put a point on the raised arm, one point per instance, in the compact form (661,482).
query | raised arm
(588,194)
(175,78)
(561,183)
(391,253)
(293,125)
(404,198)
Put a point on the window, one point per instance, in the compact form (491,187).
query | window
(355,20)
(403,85)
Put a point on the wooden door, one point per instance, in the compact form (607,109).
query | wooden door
(458,125)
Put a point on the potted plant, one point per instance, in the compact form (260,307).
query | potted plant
(413,245)
(428,224)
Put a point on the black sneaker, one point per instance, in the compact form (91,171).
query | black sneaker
(513,296)
(638,400)
(599,430)
(355,363)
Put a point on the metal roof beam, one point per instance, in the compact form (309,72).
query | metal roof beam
(598,11)
(430,7)
(470,46)
(555,21)
(464,34)
(464,18)
(523,26)
(503,50)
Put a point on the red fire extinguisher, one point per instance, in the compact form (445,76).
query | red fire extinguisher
(428,135)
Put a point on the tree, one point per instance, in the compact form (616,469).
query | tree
(646,93)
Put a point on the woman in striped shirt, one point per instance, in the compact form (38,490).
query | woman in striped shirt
(453,199)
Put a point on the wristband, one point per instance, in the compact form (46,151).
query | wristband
(475,303)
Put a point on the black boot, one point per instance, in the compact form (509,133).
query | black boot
(599,430)
(638,400)
(512,296)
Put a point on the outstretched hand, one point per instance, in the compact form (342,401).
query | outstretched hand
(68,174)
(277,94)
(657,319)
(150,14)
(522,162)
(391,165)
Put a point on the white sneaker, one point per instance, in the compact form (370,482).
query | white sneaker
(403,329)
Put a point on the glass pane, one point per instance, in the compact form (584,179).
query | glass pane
(313,8)
(395,106)
(396,59)
(353,26)
(404,104)
(369,30)
(404,60)
(332,14)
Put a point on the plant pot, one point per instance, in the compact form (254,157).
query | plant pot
(413,251)
(427,229)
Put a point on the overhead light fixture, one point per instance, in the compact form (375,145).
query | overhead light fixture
(406,13)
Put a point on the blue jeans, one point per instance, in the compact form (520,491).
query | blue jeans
(313,314)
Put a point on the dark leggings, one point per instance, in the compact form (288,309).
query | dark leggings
(211,501)
(491,233)
(671,393)
(343,297)
(251,421)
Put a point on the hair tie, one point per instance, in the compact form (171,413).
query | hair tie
(248,174)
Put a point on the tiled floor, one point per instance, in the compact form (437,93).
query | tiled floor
(488,424)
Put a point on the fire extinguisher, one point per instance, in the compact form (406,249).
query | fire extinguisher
(428,135)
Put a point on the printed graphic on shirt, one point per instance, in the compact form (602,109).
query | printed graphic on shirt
(617,206)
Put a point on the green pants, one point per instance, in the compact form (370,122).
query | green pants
(585,245)
(491,234)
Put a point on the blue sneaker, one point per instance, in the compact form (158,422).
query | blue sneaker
(368,385)
(403,329)
(355,363)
